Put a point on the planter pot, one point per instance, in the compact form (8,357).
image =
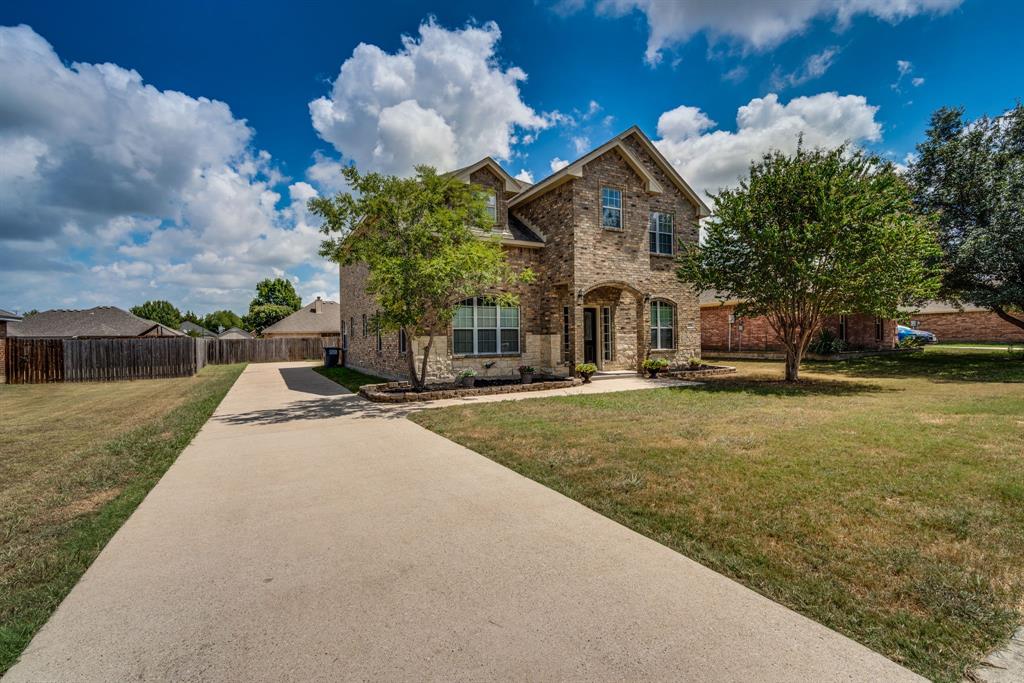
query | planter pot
(653,374)
(527,377)
(468,382)
(586,377)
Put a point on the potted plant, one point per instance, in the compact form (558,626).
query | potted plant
(467,377)
(654,365)
(586,371)
(526,373)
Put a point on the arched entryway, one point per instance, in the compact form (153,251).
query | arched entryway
(611,325)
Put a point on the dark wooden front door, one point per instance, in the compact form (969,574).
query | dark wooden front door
(589,335)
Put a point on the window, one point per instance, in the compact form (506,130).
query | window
(376,328)
(842,327)
(661,233)
(402,347)
(365,327)
(606,332)
(492,206)
(565,333)
(662,328)
(879,329)
(352,326)
(344,336)
(611,208)
(482,327)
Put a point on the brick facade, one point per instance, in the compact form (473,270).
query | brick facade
(3,351)
(968,326)
(721,332)
(578,264)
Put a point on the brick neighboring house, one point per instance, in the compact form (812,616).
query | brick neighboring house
(318,319)
(967,324)
(723,331)
(600,235)
(5,318)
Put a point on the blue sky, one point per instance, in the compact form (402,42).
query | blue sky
(159,150)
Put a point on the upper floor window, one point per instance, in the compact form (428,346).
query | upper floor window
(492,206)
(662,236)
(611,208)
(482,327)
(662,325)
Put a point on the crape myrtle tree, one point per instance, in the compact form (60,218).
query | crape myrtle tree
(428,244)
(814,234)
(972,175)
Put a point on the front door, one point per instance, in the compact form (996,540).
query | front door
(590,335)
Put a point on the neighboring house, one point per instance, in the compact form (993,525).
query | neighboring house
(6,317)
(193,330)
(722,330)
(600,235)
(93,323)
(234,333)
(318,319)
(968,323)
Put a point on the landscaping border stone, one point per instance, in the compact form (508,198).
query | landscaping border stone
(387,392)
(705,371)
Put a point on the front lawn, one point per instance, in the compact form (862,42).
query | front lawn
(348,378)
(882,497)
(75,461)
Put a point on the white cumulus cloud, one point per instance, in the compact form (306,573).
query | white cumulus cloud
(713,159)
(524,176)
(753,24)
(558,164)
(442,99)
(815,66)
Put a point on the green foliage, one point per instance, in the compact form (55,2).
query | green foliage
(655,364)
(189,316)
(813,234)
(276,292)
(468,372)
(585,369)
(263,316)
(218,321)
(827,343)
(972,175)
(159,311)
(428,243)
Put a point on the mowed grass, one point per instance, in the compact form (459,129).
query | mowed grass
(348,378)
(881,497)
(75,461)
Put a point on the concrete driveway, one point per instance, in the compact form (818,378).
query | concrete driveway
(309,535)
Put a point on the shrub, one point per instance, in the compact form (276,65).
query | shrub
(655,364)
(586,368)
(468,372)
(827,343)
(526,370)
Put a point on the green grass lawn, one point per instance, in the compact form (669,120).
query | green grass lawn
(882,497)
(348,378)
(75,461)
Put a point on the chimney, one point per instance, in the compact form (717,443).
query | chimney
(318,305)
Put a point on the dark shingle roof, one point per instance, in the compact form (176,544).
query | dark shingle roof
(188,326)
(102,321)
(520,231)
(8,316)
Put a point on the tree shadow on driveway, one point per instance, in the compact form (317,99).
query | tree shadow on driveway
(345,405)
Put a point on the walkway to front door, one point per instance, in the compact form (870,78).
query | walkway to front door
(307,535)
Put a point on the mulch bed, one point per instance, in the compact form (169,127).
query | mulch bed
(401,392)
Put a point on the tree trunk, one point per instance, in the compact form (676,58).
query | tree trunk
(426,356)
(998,310)
(792,365)
(410,357)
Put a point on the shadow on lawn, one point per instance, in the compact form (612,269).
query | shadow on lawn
(935,365)
(770,386)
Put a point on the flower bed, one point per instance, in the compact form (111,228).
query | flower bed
(705,370)
(401,392)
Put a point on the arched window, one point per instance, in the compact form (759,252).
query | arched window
(662,325)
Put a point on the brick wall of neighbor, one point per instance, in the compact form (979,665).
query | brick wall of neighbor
(758,335)
(969,326)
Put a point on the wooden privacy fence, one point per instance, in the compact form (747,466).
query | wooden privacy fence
(221,351)
(34,361)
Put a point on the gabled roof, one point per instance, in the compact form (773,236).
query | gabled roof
(575,170)
(511,184)
(307,320)
(102,321)
(238,332)
(189,326)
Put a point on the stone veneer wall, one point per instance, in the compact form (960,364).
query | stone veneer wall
(969,326)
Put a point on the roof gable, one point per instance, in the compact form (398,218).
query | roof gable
(511,184)
(306,319)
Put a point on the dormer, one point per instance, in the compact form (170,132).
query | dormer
(501,188)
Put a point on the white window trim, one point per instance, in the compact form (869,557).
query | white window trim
(616,208)
(498,329)
(607,334)
(654,228)
(491,198)
(659,327)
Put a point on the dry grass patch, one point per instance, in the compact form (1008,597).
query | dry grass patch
(882,497)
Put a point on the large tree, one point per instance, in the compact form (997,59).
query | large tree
(218,321)
(275,300)
(428,244)
(814,234)
(159,311)
(972,175)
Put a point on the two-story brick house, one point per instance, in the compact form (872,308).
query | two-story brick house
(600,235)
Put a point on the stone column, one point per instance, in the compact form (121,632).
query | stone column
(643,332)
